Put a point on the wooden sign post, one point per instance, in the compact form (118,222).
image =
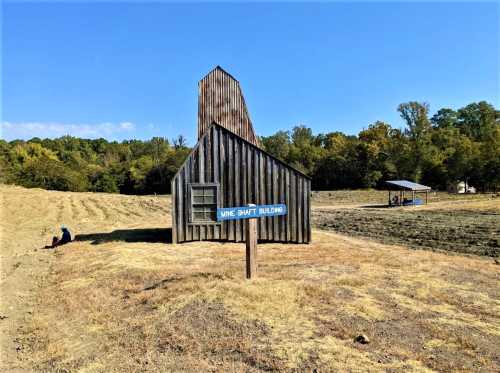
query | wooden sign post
(251,245)
(250,212)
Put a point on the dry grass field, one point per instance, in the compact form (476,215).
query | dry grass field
(121,298)
(467,224)
(371,197)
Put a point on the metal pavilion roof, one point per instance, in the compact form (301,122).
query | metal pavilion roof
(408,185)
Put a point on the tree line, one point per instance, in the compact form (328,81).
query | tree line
(73,164)
(434,150)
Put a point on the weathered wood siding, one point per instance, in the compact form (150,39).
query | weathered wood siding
(220,100)
(245,174)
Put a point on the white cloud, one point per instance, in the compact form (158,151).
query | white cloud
(28,130)
(127,126)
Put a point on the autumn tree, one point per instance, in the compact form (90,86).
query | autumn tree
(415,115)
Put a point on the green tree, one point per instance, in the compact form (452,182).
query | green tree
(477,119)
(451,146)
(415,114)
(304,150)
(445,118)
(48,173)
(490,160)
(104,182)
(374,159)
(138,171)
(159,148)
(278,144)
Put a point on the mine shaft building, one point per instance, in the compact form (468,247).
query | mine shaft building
(228,168)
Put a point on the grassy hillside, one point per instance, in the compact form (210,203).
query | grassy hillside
(121,298)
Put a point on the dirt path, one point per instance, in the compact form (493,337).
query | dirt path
(24,266)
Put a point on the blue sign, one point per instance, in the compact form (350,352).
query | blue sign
(248,212)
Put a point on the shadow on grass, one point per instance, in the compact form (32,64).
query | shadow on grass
(153,235)
(380,206)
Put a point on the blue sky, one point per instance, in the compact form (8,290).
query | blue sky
(122,70)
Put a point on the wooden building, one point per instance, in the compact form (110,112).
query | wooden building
(227,168)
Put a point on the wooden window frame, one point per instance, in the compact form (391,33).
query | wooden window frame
(191,203)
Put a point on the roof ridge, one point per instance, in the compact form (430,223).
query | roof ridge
(218,67)
(214,123)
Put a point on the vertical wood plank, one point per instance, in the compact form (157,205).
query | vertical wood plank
(181,231)
(200,229)
(256,187)
(276,185)
(250,181)
(195,179)
(308,196)
(269,195)
(230,184)
(237,186)
(244,183)
(187,227)
(282,219)
(209,228)
(215,175)
(174,204)
(300,220)
(262,197)
(302,208)
(223,176)
(293,209)
(287,202)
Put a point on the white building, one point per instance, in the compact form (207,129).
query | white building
(461,187)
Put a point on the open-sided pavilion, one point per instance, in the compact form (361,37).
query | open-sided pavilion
(399,187)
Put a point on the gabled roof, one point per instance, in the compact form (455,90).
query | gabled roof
(218,68)
(407,185)
(215,124)
(262,151)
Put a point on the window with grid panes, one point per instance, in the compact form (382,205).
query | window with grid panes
(203,203)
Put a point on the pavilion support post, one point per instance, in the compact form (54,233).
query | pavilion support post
(413,198)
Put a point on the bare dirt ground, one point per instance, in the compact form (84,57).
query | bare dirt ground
(122,299)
